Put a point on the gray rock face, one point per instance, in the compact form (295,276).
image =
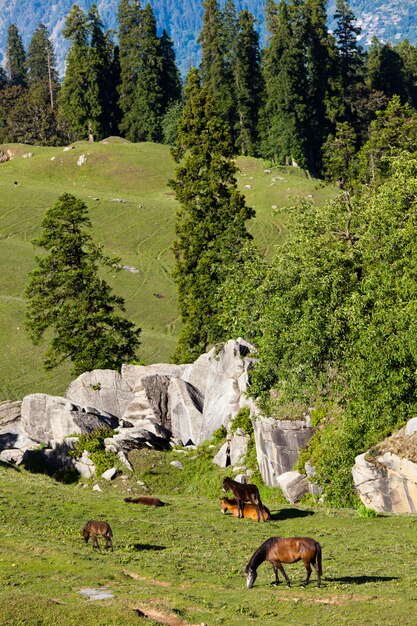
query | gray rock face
(185,411)
(12,455)
(9,411)
(133,374)
(232,452)
(387,483)
(294,486)
(47,418)
(105,390)
(278,445)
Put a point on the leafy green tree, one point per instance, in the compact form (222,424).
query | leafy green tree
(394,131)
(69,304)
(248,84)
(408,56)
(211,222)
(339,153)
(15,57)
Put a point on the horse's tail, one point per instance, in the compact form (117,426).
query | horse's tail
(318,554)
(109,531)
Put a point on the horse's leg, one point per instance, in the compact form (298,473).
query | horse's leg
(276,581)
(240,506)
(109,543)
(317,570)
(95,542)
(282,570)
(308,569)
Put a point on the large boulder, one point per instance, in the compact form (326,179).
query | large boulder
(386,476)
(133,374)
(222,377)
(278,445)
(185,411)
(294,485)
(51,418)
(386,483)
(105,390)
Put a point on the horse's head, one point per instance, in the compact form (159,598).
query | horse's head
(250,576)
(226,484)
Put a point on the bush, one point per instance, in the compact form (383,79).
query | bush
(94,444)
(243,421)
(363,511)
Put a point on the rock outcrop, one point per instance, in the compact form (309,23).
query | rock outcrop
(386,476)
(46,419)
(278,445)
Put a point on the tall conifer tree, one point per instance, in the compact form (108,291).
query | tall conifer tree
(170,76)
(247,83)
(284,118)
(211,222)
(73,102)
(15,58)
(41,65)
(216,72)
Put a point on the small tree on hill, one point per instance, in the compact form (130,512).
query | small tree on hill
(68,303)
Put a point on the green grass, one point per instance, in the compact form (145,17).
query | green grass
(140,231)
(185,560)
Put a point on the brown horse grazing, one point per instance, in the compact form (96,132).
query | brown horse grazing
(147,500)
(94,528)
(244,493)
(249,510)
(279,550)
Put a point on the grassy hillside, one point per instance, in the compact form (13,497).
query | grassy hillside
(183,564)
(140,230)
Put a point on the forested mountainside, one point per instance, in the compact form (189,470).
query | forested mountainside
(389,20)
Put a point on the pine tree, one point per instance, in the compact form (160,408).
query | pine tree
(42,73)
(284,123)
(15,57)
(101,89)
(142,94)
(385,70)
(129,14)
(170,76)
(67,297)
(247,84)
(320,54)
(73,101)
(350,61)
(210,224)
(216,72)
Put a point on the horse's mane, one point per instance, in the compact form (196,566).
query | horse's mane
(258,557)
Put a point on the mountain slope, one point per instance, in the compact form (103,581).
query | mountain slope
(389,20)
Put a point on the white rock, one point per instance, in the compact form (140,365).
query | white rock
(294,485)
(411,427)
(111,474)
(177,464)
(97,488)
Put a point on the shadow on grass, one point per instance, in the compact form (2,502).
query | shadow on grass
(290,514)
(138,547)
(361,580)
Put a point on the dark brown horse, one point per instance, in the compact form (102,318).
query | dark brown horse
(147,500)
(249,510)
(95,528)
(279,550)
(244,493)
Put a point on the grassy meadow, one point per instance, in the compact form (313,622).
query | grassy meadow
(182,564)
(140,230)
